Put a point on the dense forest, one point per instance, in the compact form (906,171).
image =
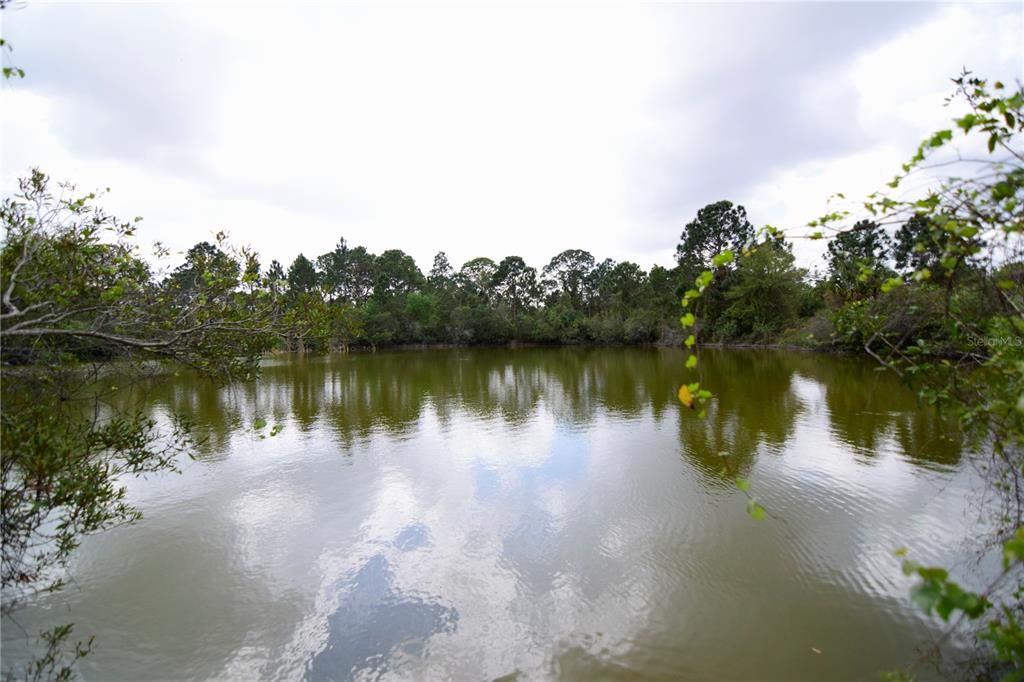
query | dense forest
(350,297)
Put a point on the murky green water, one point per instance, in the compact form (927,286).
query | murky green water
(546,513)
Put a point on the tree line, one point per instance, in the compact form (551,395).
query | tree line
(350,297)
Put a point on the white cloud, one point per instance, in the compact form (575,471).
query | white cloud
(901,88)
(478,130)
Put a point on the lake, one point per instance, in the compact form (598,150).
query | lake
(528,514)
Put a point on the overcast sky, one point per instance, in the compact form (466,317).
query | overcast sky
(481,130)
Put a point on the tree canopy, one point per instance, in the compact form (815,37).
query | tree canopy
(82,316)
(721,226)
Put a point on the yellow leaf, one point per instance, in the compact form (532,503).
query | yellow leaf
(685,397)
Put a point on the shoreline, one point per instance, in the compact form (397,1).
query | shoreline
(513,345)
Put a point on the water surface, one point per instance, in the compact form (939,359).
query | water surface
(530,514)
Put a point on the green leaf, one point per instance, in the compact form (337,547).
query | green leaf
(755,510)
(259,423)
(690,340)
(1002,190)
(926,596)
(944,607)
(967,122)
(743,484)
(1013,550)
(891,284)
(722,258)
(933,574)
(940,138)
(687,320)
(691,362)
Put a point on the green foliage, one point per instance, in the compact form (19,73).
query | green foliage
(474,279)
(397,276)
(936,592)
(56,662)
(752,292)
(82,317)
(915,247)
(764,294)
(912,311)
(719,228)
(349,297)
(9,71)
(514,286)
(568,278)
(951,323)
(1006,636)
(857,259)
(302,277)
